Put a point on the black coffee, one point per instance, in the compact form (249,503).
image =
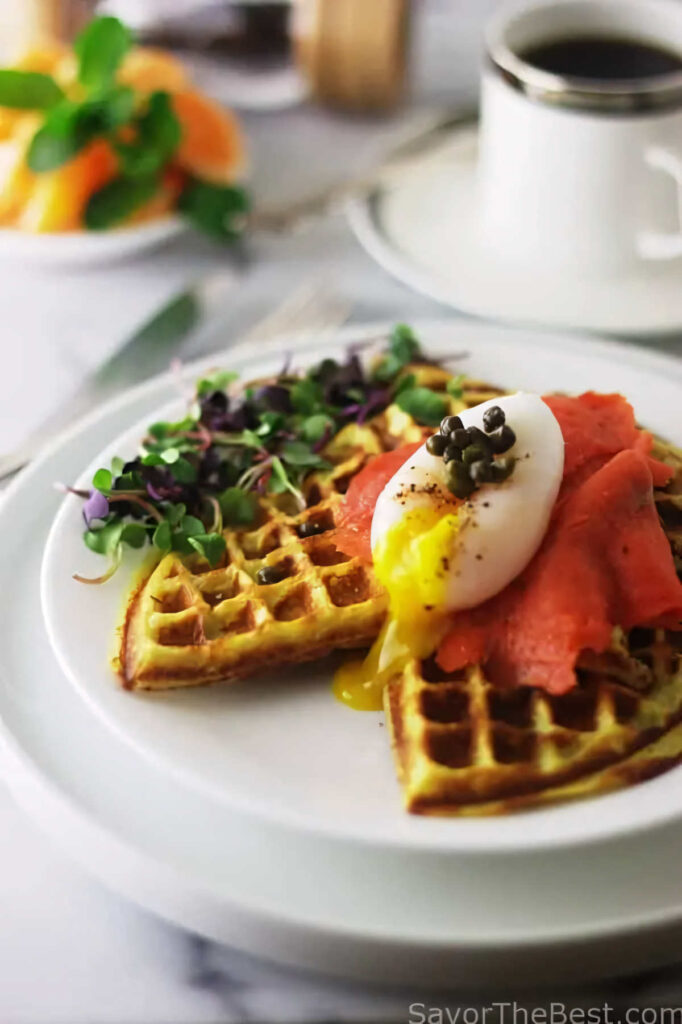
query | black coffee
(602,57)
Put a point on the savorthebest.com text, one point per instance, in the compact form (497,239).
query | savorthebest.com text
(511,1012)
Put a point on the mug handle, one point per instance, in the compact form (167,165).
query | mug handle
(654,245)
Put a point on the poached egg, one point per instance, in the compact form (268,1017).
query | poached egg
(436,554)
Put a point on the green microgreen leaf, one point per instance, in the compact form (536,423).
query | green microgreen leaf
(163,429)
(191,526)
(270,423)
(237,506)
(403,344)
(183,471)
(424,405)
(216,381)
(28,90)
(100,48)
(134,535)
(251,439)
(117,200)
(297,453)
(102,480)
(403,349)
(307,396)
(280,482)
(314,427)
(117,465)
(218,210)
(105,539)
(454,387)
(176,513)
(405,383)
(162,537)
(211,546)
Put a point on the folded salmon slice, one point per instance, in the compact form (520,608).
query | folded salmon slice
(605,560)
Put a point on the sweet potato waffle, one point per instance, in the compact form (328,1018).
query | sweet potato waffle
(188,624)
(463,746)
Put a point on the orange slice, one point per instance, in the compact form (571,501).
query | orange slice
(149,70)
(58,198)
(212,145)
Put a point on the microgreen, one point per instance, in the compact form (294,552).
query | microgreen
(237,506)
(207,471)
(454,386)
(403,348)
(423,405)
(216,381)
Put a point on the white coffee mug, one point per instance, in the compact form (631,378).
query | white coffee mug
(576,173)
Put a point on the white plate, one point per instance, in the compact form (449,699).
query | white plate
(88,248)
(423,231)
(408,917)
(281,748)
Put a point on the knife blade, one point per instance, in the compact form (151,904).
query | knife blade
(147,352)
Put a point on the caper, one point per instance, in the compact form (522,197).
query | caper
(452,454)
(477,436)
(502,469)
(309,528)
(436,444)
(503,440)
(493,418)
(449,424)
(270,574)
(481,472)
(460,437)
(459,481)
(474,453)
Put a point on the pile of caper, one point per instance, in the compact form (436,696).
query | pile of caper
(470,453)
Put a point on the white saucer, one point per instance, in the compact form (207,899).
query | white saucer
(412,916)
(88,248)
(423,231)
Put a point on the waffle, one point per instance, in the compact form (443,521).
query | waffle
(188,624)
(463,746)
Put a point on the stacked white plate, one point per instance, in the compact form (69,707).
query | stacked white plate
(266,814)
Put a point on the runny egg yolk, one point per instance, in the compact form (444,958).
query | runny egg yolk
(413,561)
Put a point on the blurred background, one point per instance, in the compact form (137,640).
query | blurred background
(296,75)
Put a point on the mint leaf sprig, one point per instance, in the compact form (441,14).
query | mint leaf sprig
(206,472)
(143,131)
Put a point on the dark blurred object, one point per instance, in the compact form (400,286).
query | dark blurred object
(353,52)
(248,29)
(239,51)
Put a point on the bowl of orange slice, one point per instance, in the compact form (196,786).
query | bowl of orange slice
(107,148)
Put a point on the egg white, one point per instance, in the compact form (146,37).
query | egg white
(501,526)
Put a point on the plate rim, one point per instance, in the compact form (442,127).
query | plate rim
(657,362)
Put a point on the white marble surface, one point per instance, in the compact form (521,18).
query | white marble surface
(70,952)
